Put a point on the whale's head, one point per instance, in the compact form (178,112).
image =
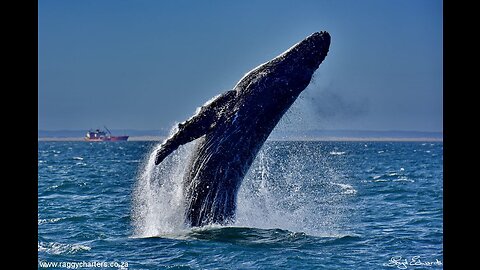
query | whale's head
(308,54)
(266,92)
(276,84)
(290,72)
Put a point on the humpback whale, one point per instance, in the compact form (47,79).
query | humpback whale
(231,128)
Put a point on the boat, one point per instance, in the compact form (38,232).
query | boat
(102,136)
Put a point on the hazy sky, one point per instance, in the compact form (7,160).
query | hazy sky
(148,64)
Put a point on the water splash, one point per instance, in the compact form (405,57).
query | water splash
(280,191)
(283,191)
(158,201)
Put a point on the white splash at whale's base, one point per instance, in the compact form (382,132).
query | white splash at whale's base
(277,193)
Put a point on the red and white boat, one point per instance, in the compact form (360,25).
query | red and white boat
(102,136)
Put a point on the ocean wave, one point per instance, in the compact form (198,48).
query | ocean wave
(133,161)
(268,237)
(247,235)
(388,178)
(345,188)
(59,248)
(404,179)
(78,158)
(337,153)
(49,220)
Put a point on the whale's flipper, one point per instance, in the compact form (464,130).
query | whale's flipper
(197,126)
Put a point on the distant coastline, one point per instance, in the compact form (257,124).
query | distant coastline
(308,135)
(81,139)
(333,139)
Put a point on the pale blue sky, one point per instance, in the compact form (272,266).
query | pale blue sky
(148,64)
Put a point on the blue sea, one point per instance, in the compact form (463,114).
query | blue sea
(302,205)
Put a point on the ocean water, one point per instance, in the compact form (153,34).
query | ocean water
(303,205)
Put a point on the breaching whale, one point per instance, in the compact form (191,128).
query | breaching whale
(232,127)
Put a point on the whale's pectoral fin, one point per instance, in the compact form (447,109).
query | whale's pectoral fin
(162,153)
(195,127)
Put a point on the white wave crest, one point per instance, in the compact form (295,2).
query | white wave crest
(337,153)
(346,188)
(50,220)
(59,248)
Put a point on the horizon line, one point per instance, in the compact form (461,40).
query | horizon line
(326,139)
(301,130)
